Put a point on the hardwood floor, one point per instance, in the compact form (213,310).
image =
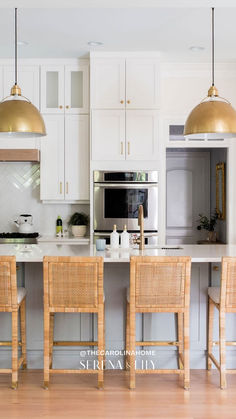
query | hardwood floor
(75,396)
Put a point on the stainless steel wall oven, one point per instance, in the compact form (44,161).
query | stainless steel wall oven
(117,196)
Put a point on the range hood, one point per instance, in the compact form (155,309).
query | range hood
(19,154)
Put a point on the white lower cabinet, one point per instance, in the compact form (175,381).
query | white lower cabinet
(64,165)
(108,135)
(77,157)
(52,159)
(124,135)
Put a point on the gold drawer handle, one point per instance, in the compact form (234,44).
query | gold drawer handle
(128,147)
(216,268)
(60,187)
(67,187)
(128,101)
(122,148)
(67,107)
(60,107)
(121,101)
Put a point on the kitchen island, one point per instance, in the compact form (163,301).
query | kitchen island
(160,326)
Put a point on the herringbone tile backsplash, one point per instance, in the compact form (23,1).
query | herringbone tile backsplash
(20,194)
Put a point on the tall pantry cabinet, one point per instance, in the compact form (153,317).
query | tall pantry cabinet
(65,150)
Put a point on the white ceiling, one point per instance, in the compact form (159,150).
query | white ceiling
(65,32)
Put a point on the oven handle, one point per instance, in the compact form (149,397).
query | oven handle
(126,185)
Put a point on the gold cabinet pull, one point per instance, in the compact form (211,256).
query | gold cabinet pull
(121,147)
(128,101)
(67,106)
(216,268)
(128,147)
(60,107)
(67,187)
(121,101)
(60,187)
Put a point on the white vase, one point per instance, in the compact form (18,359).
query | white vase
(78,231)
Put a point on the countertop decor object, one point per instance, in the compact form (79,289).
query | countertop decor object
(79,222)
(214,118)
(18,116)
(208,224)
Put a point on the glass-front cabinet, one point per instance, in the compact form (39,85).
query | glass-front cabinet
(65,89)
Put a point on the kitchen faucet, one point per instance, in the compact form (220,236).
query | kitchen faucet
(140,239)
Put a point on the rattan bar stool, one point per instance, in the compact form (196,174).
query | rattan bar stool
(224,299)
(73,285)
(12,300)
(159,285)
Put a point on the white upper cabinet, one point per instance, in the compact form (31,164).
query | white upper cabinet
(52,159)
(65,89)
(141,135)
(142,88)
(52,89)
(108,83)
(77,89)
(77,157)
(124,135)
(108,135)
(119,83)
(28,80)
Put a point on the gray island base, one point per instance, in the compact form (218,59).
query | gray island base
(206,262)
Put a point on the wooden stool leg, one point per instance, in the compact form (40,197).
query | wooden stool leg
(222,350)
(180,338)
(210,331)
(100,346)
(14,349)
(46,347)
(132,346)
(51,340)
(127,334)
(23,333)
(104,339)
(186,351)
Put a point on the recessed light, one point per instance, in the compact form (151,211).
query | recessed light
(22,43)
(196,48)
(95,43)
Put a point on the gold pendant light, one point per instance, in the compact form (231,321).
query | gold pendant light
(18,116)
(214,118)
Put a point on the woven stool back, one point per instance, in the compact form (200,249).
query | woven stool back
(73,282)
(160,281)
(228,283)
(8,285)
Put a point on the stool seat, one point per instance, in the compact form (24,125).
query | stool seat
(21,293)
(214,294)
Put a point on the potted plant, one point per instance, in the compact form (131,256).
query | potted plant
(208,224)
(78,222)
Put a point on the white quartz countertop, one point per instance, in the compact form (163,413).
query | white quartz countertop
(36,252)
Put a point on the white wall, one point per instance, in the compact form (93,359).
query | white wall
(20,194)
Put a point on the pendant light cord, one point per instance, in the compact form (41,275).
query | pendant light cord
(213,46)
(15,46)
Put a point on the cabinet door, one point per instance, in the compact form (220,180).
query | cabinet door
(52,89)
(77,89)
(77,157)
(52,159)
(28,80)
(108,83)
(108,135)
(141,135)
(141,83)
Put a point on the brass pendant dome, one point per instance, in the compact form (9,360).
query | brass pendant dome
(20,117)
(213,119)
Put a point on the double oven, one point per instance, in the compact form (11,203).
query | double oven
(117,196)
